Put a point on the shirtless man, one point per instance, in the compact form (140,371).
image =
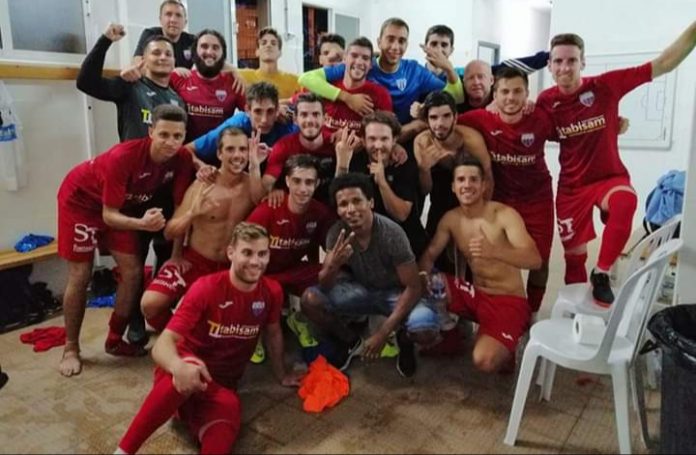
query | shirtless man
(435,150)
(493,239)
(210,213)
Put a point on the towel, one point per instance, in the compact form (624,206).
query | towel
(324,386)
(45,338)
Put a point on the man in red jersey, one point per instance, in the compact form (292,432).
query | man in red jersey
(312,139)
(207,217)
(211,94)
(97,205)
(515,142)
(297,228)
(358,61)
(585,113)
(206,346)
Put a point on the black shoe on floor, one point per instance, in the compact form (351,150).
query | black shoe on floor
(601,289)
(406,360)
(3,379)
(137,334)
(346,352)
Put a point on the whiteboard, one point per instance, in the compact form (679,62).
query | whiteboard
(649,108)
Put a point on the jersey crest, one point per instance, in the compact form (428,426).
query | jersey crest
(587,98)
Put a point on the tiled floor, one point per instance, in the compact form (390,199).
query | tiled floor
(448,407)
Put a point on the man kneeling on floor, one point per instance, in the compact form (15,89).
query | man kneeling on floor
(369,269)
(207,344)
(493,239)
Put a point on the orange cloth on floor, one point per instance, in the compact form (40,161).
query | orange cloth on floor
(323,386)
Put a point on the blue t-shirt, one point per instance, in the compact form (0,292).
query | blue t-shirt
(206,145)
(409,83)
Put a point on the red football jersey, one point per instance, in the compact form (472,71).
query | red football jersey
(124,177)
(517,153)
(208,101)
(290,145)
(338,115)
(220,324)
(292,235)
(587,125)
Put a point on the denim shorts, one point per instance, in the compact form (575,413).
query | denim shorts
(353,299)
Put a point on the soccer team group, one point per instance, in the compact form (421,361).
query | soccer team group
(238,205)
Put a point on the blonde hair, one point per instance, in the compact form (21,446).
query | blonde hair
(248,232)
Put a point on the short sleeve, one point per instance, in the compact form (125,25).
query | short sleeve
(261,215)
(276,297)
(276,160)
(397,244)
(622,81)
(116,174)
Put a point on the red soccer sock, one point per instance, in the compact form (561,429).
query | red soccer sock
(219,438)
(622,206)
(159,321)
(575,268)
(117,325)
(535,295)
(157,408)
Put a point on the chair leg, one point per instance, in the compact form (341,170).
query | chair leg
(541,375)
(547,387)
(619,379)
(638,390)
(524,380)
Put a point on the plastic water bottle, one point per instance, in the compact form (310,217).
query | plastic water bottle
(438,293)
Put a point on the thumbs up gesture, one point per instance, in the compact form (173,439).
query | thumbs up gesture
(480,246)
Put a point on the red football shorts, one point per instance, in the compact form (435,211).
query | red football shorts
(538,219)
(171,282)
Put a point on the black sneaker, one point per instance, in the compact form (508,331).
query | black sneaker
(406,360)
(3,379)
(601,289)
(137,334)
(346,353)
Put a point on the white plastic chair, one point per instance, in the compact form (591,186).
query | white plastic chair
(552,339)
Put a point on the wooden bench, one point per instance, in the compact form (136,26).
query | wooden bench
(12,258)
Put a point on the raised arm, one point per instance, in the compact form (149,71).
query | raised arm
(90,79)
(671,57)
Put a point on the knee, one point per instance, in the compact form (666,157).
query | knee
(152,303)
(131,273)
(80,274)
(486,362)
(311,301)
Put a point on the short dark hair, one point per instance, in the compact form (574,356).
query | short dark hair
(168,112)
(228,131)
(440,29)
(309,97)
(570,39)
(465,158)
(331,38)
(154,38)
(361,41)
(270,31)
(216,34)
(385,118)
(262,91)
(300,161)
(396,21)
(352,180)
(507,72)
(172,2)
(436,99)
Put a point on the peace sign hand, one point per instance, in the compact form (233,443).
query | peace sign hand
(342,250)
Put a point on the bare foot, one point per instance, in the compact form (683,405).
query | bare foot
(71,363)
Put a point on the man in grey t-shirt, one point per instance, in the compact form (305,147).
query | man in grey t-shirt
(369,269)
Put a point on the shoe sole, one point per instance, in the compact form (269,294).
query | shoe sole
(603,304)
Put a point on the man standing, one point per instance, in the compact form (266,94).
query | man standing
(206,346)
(406,80)
(585,114)
(134,101)
(96,202)
(515,142)
(207,216)
(369,269)
(260,117)
(210,93)
(492,238)
(268,50)
(397,195)
(172,23)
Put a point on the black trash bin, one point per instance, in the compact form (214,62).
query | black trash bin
(675,330)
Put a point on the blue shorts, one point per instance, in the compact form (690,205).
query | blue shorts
(353,299)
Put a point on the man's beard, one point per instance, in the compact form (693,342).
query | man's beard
(447,135)
(208,70)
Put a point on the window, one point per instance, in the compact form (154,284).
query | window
(52,30)
(489,52)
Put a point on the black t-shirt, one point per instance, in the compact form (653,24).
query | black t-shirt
(182,48)
(403,181)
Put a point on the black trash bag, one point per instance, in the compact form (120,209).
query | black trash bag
(17,304)
(675,330)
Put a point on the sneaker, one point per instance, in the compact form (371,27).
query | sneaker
(601,289)
(301,330)
(137,334)
(406,360)
(391,348)
(259,353)
(345,356)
